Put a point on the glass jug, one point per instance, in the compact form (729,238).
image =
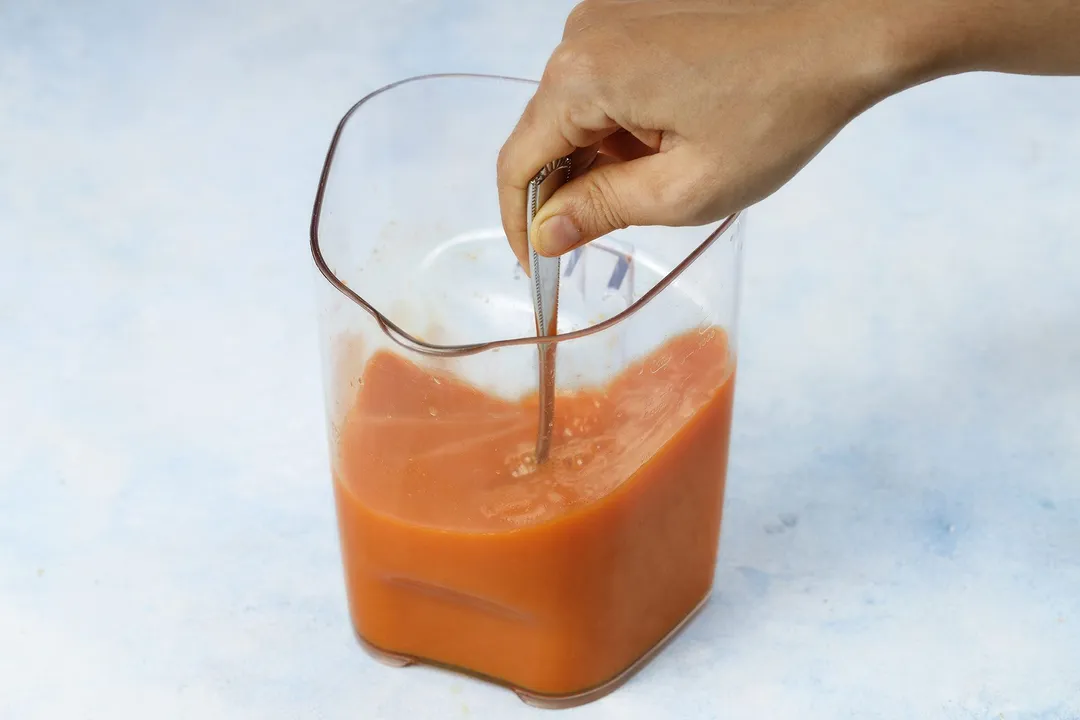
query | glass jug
(557,579)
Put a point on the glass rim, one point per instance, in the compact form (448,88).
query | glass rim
(408,341)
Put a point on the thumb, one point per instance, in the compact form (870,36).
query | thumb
(647,191)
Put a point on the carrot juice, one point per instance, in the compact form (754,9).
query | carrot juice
(555,579)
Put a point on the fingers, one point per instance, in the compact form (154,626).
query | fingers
(556,123)
(659,189)
(532,144)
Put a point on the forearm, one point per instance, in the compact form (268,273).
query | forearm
(1031,37)
(908,42)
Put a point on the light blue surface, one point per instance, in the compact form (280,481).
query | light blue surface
(902,537)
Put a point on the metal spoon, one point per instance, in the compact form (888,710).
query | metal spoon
(545,277)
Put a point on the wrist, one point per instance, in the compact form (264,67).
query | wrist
(893,45)
(923,40)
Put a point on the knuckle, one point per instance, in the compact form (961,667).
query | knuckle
(572,62)
(502,165)
(573,126)
(579,18)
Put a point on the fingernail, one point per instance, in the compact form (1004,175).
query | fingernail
(556,235)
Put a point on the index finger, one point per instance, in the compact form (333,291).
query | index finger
(532,144)
(542,135)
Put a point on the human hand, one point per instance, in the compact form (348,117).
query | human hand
(681,112)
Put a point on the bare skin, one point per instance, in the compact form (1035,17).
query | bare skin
(681,112)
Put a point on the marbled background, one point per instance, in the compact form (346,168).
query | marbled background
(902,536)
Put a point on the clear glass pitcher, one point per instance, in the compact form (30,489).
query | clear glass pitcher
(556,579)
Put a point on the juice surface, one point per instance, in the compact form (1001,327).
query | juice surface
(459,550)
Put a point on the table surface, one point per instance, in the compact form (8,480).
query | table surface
(902,533)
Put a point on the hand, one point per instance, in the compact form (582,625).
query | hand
(681,112)
(684,111)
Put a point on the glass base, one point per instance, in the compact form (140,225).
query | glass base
(541,700)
